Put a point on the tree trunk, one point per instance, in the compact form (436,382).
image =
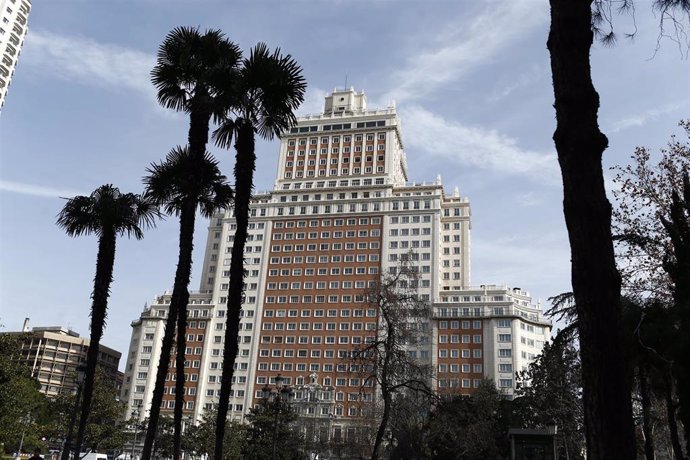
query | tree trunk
(105,260)
(596,282)
(678,268)
(178,303)
(382,426)
(646,415)
(185,273)
(672,423)
(245,163)
(197,137)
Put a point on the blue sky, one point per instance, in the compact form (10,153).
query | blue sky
(471,81)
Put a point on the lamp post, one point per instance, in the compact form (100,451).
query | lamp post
(81,372)
(279,400)
(135,415)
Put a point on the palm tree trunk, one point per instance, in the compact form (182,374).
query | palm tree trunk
(184,274)
(596,282)
(99,306)
(198,131)
(245,163)
(178,303)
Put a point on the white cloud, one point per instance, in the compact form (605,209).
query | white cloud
(475,146)
(88,61)
(531,199)
(641,119)
(535,74)
(532,260)
(313,101)
(465,45)
(37,190)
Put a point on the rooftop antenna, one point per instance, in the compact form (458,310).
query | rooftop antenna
(345,87)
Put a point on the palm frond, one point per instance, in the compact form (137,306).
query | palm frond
(274,88)
(183,177)
(107,209)
(192,68)
(77,217)
(224,133)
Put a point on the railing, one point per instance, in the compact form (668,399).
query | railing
(487,312)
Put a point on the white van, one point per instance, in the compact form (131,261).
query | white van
(94,456)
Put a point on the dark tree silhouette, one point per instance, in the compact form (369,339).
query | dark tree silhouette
(385,361)
(596,282)
(106,213)
(181,185)
(191,70)
(269,87)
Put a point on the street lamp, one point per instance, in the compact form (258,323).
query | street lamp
(279,399)
(81,372)
(135,415)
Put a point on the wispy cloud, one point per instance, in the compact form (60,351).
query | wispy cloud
(313,101)
(41,191)
(534,259)
(531,199)
(88,61)
(534,75)
(463,46)
(475,146)
(649,115)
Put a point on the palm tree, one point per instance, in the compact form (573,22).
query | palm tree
(264,95)
(107,213)
(190,71)
(181,184)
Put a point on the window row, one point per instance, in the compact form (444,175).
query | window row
(410,231)
(328,222)
(337,151)
(291,339)
(373,233)
(334,183)
(414,204)
(318,299)
(330,196)
(458,353)
(336,139)
(344,313)
(414,244)
(456,338)
(477,324)
(410,219)
(463,368)
(334,172)
(459,383)
(341,326)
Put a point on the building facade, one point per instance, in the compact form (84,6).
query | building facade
(15,16)
(342,215)
(53,354)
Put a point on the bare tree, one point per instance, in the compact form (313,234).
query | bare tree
(644,196)
(388,360)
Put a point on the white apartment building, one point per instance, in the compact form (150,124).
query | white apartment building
(14,15)
(343,212)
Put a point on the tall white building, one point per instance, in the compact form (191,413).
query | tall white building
(342,213)
(15,17)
